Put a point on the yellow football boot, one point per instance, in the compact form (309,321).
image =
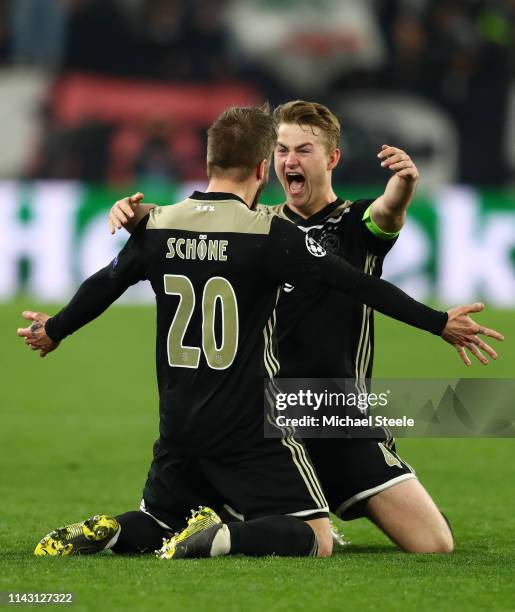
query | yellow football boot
(196,539)
(87,537)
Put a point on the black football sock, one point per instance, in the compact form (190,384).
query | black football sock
(139,533)
(285,536)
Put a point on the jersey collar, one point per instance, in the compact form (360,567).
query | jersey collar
(215,195)
(318,216)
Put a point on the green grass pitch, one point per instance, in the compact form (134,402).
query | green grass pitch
(76,438)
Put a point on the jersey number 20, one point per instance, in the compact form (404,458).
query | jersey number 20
(216,289)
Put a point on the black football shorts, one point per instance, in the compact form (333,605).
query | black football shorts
(353,470)
(272,477)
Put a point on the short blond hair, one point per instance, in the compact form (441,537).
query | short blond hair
(311,114)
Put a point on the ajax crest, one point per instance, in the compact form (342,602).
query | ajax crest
(314,248)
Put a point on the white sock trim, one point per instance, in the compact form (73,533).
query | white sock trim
(114,539)
(222,542)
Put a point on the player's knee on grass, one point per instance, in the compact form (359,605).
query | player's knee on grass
(433,539)
(446,545)
(434,543)
(437,538)
(322,529)
(139,533)
(407,514)
(444,540)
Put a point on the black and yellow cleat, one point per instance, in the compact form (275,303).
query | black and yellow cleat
(85,538)
(196,539)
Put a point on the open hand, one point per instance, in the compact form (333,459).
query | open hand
(462,332)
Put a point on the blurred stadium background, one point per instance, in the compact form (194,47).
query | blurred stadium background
(100,98)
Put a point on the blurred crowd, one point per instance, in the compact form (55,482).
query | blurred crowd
(161,39)
(456,54)
(460,55)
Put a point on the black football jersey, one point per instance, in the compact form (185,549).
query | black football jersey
(216,268)
(323,332)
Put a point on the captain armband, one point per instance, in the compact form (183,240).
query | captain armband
(375,229)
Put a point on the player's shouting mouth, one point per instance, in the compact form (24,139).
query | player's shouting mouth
(296,182)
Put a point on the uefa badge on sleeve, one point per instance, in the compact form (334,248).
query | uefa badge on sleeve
(314,248)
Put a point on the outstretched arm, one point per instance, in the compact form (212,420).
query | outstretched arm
(296,258)
(455,326)
(388,211)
